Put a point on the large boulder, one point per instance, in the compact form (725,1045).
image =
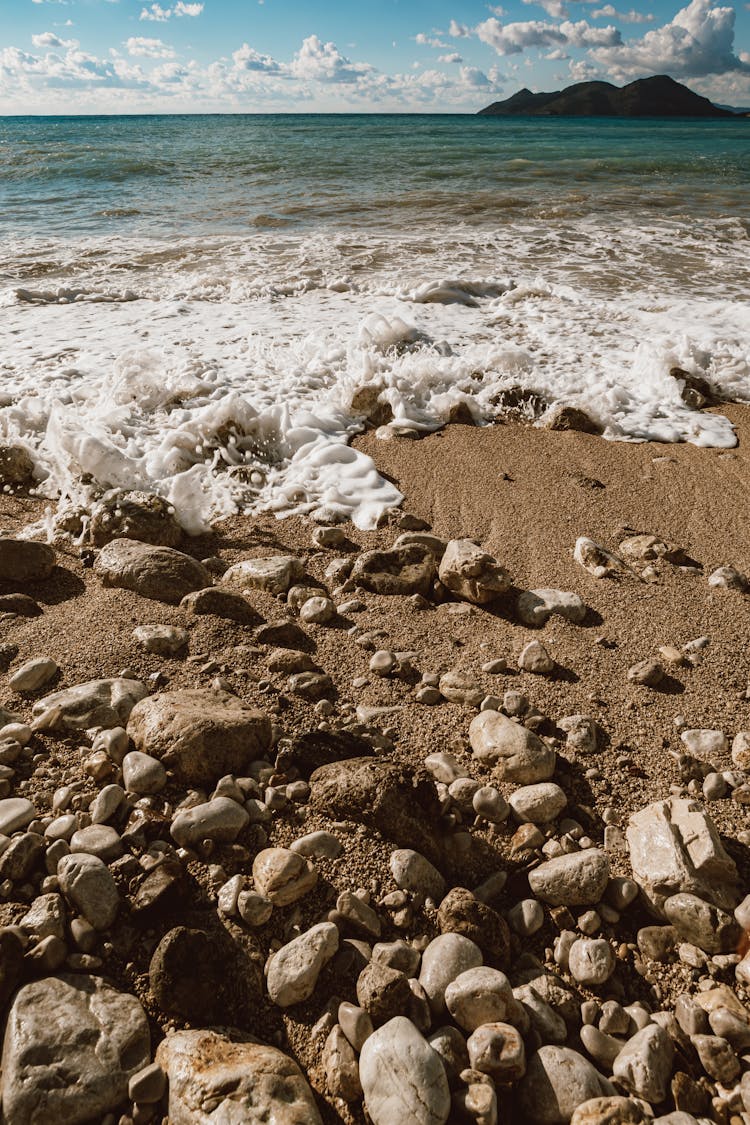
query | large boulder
(675,847)
(22,560)
(98,703)
(400,570)
(159,573)
(124,514)
(515,753)
(396,801)
(470,573)
(199,734)
(213,1077)
(71,1045)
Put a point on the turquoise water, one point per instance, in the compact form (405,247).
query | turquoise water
(165,175)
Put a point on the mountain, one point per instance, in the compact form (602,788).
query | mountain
(659,96)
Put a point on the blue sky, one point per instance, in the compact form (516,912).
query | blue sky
(87,56)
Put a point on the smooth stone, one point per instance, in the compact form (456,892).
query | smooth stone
(577,879)
(702,924)
(15,813)
(471,574)
(283,876)
(451,1046)
(477,996)
(538,804)
(32,675)
(220,819)
(402,1077)
(147,1086)
(237,1080)
(99,840)
(88,885)
(341,1066)
(317,611)
(412,872)
(142,774)
(515,753)
(294,970)
(106,803)
(497,1049)
(355,1023)
(159,573)
(274,575)
(72,1044)
(215,602)
(397,955)
(644,1065)
(534,658)
(162,640)
(23,560)
(318,845)
(444,959)
(591,961)
(557,1081)
(535,607)
(201,735)
(526,917)
(98,703)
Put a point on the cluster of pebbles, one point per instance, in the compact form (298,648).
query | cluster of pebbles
(184,936)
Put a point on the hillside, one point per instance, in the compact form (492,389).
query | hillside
(659,96)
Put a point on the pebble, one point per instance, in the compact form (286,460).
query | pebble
(34,674)
(470,573)
(535,658)
(383,992)
(99,840)
(318,845)
(526,917)
(535,607)
(162,640)
(479,995)
(220,819)
(644,1065)
(557,1081)
(355,1023)
(497,1049)
(414,873)
(402,1077)
(444,959)
(341,1066)
(649,673)
(490,804)
(294,969)
(705,744)
(317,611)
(88,885)
(577,879)
(591,961)
(142,774)
(283,876)
(514,753)
(538,804)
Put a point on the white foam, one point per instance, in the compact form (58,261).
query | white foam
(221,373)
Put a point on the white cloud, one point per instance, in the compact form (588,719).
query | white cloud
(582,34)
(557,9)
(453,57)
(141,48)
(323,62)
(513,38)
(699,41)
(609,12)
(247,58)
(49,39)
(458,30)
(181,9)
(160,15)
(429,40)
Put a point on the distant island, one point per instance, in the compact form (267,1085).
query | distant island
(659,96)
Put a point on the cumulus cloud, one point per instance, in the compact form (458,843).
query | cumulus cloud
(323,62)
(158,14)
(611,13)
(429,40)
(453,57)
(141,48)
(513,38)
(49,39)
(458,30)
(247,58)
(699,41)
(557,9)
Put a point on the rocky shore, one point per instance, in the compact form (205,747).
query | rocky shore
(444,822)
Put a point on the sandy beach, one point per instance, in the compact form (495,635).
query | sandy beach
(525,495)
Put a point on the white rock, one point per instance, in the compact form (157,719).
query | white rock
(444,959)
(515,752)
(577,879)
(317,611)
(412,872)
(294,970)
(480,995)
(556,1082)
(98,703)
(591,962)
(33,675)
(283,876)
(402,1077)
(15,813)
(705,744)
(535,658)
(470,573)
(163,640)
(535,607)
(644,1065)
(538,804)
(88,885)
(221,819)
(143,774)
(275,574)
(497,1049)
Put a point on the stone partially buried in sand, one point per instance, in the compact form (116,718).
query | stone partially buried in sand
(535,607)
(158,573)
(400,570)
(98,703)
(71,1045)
(199,734)
(22,560)
(215,1077)
(274,575)
(470,573)
(515,753)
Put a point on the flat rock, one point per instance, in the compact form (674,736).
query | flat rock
(470,573)
(402,1077)
(71,1046)
(132,514)
(400,570)
(22,560)
(199,734)
(515,753)
(535,607)
(294,970)
(674,846)
(577,879)
(98,703)
(557,1081)
(159,573)
(274,575)
(163,640)
(214,1077)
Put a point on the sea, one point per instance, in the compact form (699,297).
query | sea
(208,306)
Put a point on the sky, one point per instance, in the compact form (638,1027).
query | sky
(193,56)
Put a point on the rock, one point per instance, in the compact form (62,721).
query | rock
(310,685)
(318,845)
(412,872)
(391,798)
(674,847)
(99,840)
(538,804)
(497,1049)
(564,417)
(489,803)
(470,573)
(44,918)
(98,703)
(159,573)
(16,464)
(282,634)
(403,1078)
(148,1086)
(644,1065)
(584,734)
(535,607)
(307,752)
(293,972)
(459,686)
(201,735)
(557,1081)
(237,1079)
(610,1111)
(254,909)
(461,913)
(649,673)
(353,913)
(220,819)
(163,640)
(355,1023)
(317,611)
(535,658)
(21,856)
(215,602)
(591,961)
(705,744)
(478,996)
(143,516)
(71,1045)
(444,959)
(577,879)
(383,992)
(741,750)
(15,813)
(400,570)
(728,578)
(526,917)
(142,774)
(87,884)
(199,976)
(283,876)
(34,674)
(274,574)
(702,923)
(22,560)
(718,1058)
(516,753)
(341,1066)
(20,604)
(424,539)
